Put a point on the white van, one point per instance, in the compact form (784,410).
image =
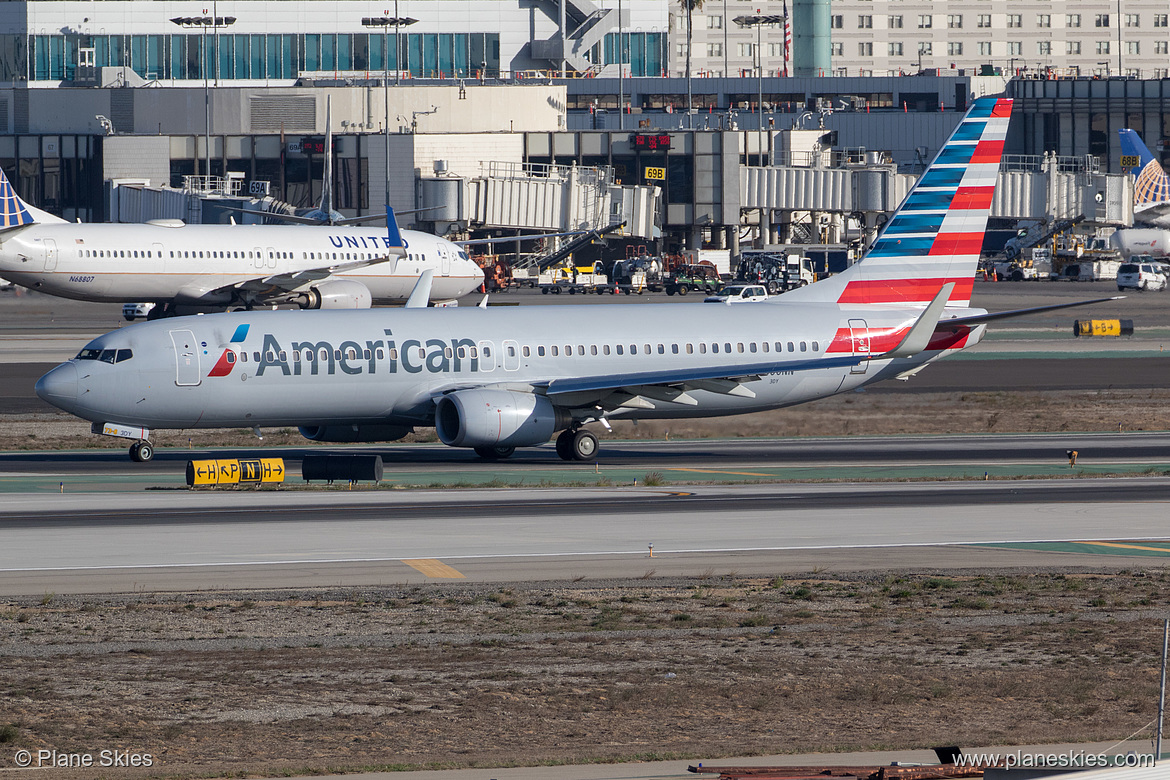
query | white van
(1140,276)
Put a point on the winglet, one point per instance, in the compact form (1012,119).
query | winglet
(421,293)
(394,240)
(919,336)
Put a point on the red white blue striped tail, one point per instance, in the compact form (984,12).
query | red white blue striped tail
(936,235)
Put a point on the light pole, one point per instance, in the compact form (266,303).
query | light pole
(204,23)
(386,22)
(621,74)
(758,21)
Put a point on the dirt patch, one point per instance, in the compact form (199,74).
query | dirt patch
(465,675)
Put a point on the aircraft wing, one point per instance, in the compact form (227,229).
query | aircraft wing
(532,236)
(294,281)
(641,389)
(316,221)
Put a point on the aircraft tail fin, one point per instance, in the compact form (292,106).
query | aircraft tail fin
(326,204)
(14,212)
(935,236)
(394,240)
(1152,185)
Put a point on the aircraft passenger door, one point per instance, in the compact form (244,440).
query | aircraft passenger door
(186,358)
(859,333)
(487,356)
(161,265)
(50,254)
(511,355)
(258,257)
(270,261)
(444,261)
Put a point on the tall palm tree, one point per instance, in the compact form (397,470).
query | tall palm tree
(689,6)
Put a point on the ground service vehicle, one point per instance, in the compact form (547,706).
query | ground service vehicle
(703,278)
(776,270)
(1140,276)
(133,311)
(739,293)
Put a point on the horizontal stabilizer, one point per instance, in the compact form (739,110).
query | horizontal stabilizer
(920,333)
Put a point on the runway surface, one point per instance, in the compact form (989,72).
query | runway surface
(205,540)
(108,533)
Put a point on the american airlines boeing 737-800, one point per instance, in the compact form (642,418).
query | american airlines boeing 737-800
(207,267)
(496,379)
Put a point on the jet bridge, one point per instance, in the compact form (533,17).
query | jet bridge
(556,198)
(1029,188)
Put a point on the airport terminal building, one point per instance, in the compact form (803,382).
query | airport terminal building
(99,93)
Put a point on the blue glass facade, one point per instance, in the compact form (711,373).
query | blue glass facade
(645,53)
(166,57)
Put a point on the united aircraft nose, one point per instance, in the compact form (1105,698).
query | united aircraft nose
(59,385)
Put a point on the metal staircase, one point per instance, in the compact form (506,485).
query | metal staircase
(585,26)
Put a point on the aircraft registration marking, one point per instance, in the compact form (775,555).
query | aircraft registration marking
(434,568)
(715,471)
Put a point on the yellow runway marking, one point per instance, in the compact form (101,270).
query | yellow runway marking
(1127,546)
(435,568)
(713,471)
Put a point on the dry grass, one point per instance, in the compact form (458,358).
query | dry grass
(460,674)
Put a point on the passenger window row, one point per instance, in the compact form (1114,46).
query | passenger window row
(702,348)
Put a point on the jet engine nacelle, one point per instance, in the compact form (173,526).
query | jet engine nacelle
(354,433)
(338,294)
(497,418)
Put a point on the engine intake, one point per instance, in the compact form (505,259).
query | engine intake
(497,418)
(337,294)
(354,433)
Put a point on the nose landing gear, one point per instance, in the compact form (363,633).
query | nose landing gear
(141,451)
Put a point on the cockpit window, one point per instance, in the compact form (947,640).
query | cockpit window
(463,256)
(105,355)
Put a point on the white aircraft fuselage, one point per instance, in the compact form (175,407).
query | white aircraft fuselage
(215,264)
(497,379)
(389,367)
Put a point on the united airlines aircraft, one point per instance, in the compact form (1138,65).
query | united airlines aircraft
(496,379)
(209,267)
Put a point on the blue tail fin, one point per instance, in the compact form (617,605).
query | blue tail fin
(13,211)
(1152,185)
(393,235)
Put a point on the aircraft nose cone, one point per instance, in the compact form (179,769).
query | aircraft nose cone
(59,385)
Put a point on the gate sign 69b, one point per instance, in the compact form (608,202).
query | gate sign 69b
(656,174)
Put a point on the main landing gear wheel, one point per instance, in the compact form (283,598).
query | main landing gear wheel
(141,451)
(494,453)
(577,445)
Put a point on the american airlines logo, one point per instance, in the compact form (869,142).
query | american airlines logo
(370,356)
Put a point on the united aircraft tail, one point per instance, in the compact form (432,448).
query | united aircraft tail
(14,212)
(1153,185)
(935,236)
